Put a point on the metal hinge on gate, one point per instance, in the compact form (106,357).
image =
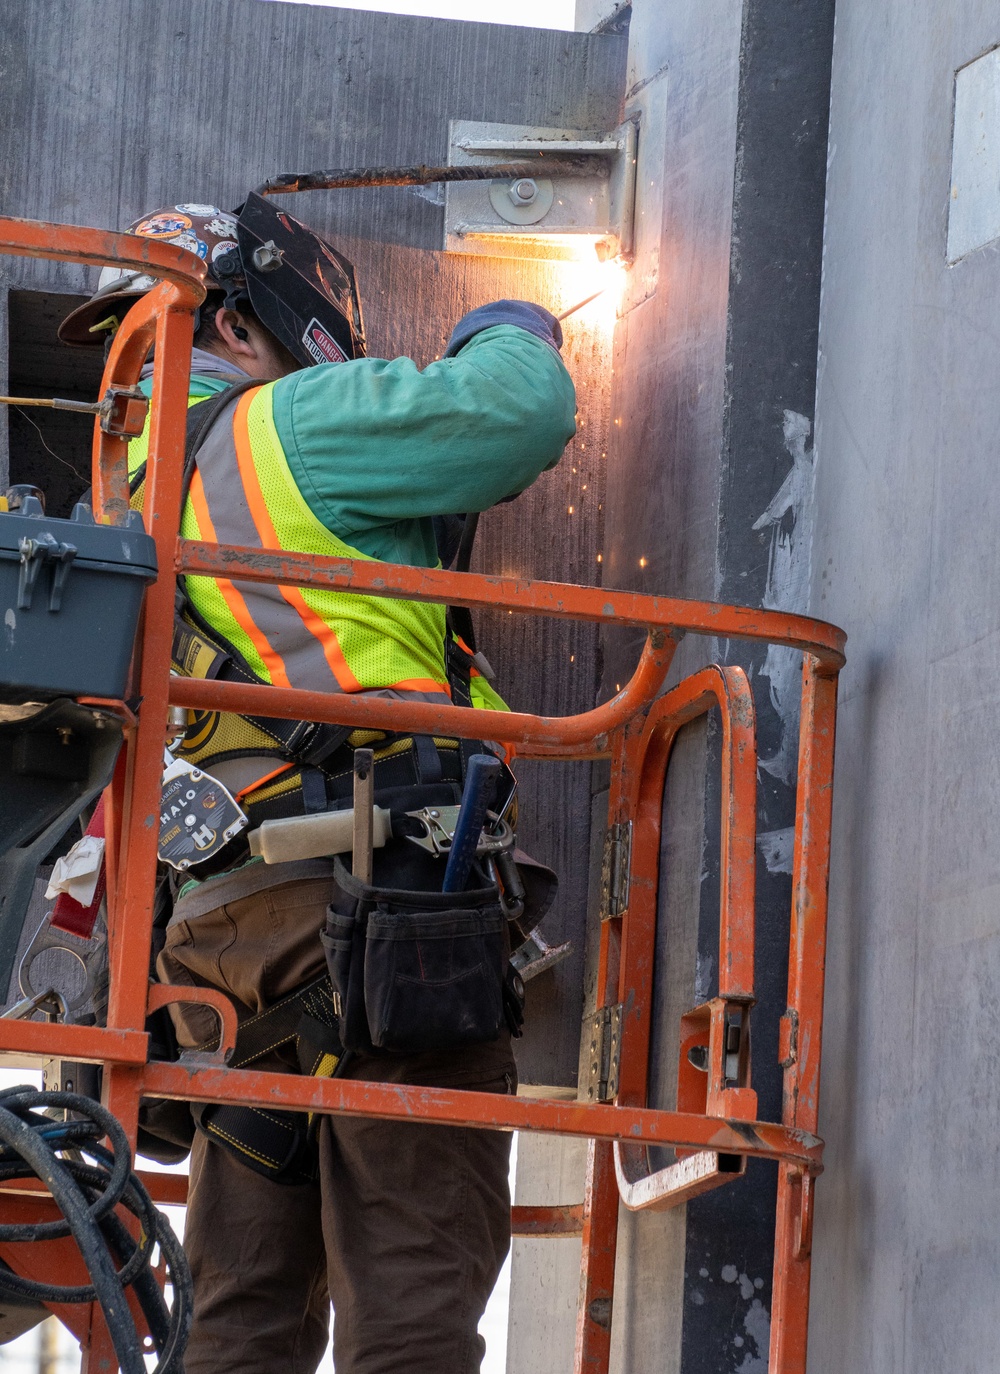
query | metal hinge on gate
(615,870)
(605,1054)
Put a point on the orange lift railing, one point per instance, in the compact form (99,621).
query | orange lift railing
(714,1128)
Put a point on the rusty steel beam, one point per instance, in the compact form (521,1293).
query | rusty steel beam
(91,1044)
(801,1036)
(532,1222)
(581,736)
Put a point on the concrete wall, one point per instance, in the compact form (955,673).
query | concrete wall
(712,402)
(904,556)
(881,518)
(111,107)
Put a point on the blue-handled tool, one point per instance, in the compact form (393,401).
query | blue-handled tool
(480,783)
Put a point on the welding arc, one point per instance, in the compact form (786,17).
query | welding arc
(580,304)
(542,165)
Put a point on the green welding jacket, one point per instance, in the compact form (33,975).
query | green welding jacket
(377,448)
(354,459)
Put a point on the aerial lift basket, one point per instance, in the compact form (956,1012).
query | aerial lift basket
(714,1128)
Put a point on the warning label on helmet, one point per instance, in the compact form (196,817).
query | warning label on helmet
(321,346)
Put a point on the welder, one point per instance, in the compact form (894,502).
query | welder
(298,440)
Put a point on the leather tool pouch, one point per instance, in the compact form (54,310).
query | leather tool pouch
(415,971)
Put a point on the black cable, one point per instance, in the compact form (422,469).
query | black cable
(88,1182)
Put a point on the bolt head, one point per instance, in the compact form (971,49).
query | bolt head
(523,191)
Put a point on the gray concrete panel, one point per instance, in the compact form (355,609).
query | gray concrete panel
(903,556)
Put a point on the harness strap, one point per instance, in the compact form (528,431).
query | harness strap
(278,1145)
(306,1018)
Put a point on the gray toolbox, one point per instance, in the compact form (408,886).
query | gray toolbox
(70,596)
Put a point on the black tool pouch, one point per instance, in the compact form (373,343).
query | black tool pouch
(415,971)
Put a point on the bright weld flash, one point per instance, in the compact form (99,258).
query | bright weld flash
(594,290)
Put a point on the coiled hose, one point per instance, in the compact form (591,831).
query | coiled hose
(57,1152)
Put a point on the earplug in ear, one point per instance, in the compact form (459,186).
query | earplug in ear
(241,333)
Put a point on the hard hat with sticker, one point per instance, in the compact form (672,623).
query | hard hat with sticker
(320,345)
(300,288)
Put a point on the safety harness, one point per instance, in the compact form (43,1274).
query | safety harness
(279,1145)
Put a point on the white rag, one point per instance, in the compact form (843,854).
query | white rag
(76,873)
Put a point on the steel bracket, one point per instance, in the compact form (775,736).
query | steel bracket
(559,213)
(616,869)
(605,1028)
(123,411)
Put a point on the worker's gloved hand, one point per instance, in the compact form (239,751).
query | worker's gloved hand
(523,314)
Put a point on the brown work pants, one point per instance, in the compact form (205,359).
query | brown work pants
(405,1229)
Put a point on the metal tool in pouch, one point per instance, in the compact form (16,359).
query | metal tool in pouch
(197,815)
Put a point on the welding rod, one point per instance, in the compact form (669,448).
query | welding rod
(343,178)
(580,304)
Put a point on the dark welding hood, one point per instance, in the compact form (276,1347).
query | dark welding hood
(298,286)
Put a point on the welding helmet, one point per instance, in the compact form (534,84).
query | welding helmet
(299,287)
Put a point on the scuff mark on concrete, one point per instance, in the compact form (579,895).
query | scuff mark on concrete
(703,976)
(776,848)
(789,516)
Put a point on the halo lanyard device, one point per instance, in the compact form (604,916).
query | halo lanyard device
(197,815)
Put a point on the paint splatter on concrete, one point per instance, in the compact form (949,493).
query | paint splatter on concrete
(790,520)
(757,1325)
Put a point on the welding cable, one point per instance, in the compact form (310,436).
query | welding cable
(33,1144)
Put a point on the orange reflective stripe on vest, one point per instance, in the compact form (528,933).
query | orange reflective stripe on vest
(233,598)
(325,634)
(243,493)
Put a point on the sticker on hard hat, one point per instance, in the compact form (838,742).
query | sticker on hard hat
(192,243)
(197,816)
(162,226)
(321,346)
(199,209)
(223,225)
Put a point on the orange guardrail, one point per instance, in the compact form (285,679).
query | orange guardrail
(715,1127)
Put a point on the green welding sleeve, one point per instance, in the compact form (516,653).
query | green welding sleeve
(377,448)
